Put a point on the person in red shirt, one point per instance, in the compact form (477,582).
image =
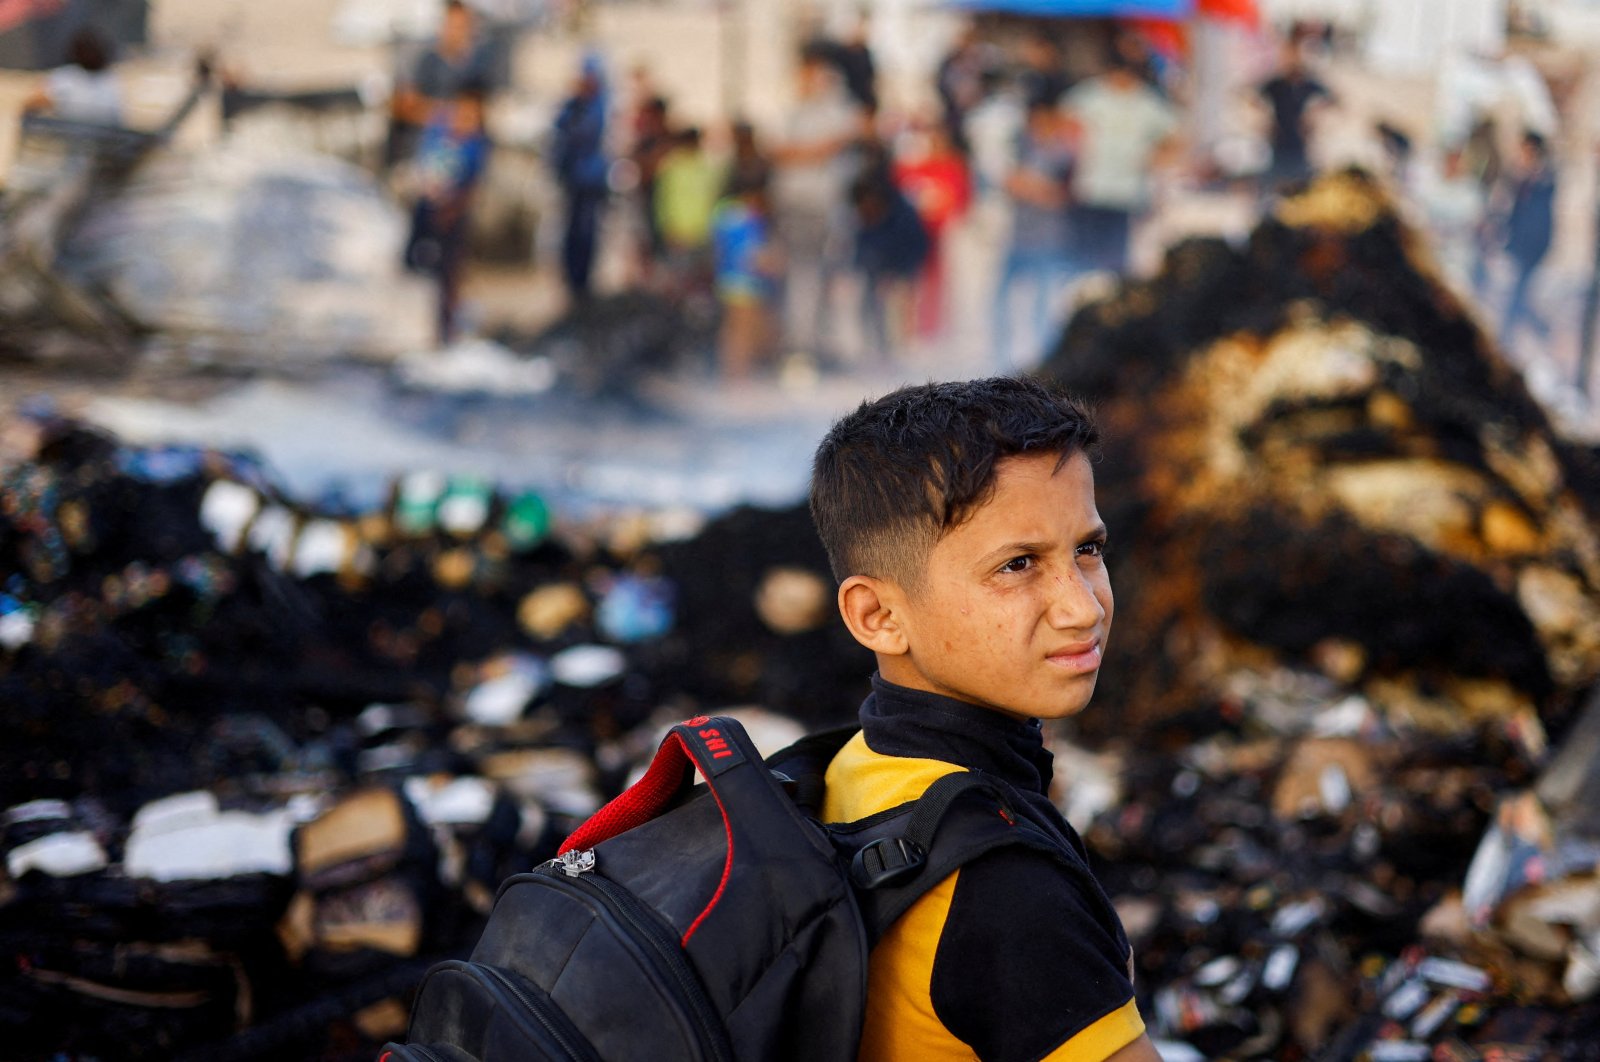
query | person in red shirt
(935,177)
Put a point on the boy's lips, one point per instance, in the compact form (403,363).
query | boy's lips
(1078,659)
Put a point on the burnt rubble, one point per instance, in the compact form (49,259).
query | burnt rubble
(262,761)
(1317,459)
(1357,589)
(260,764)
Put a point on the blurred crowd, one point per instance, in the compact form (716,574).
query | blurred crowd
(824,239)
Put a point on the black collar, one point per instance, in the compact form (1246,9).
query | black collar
(904,722)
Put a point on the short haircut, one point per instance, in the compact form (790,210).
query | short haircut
(892,478)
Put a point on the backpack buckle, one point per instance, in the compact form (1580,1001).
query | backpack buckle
(886,861)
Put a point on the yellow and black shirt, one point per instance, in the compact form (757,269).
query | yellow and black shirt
(1012,958)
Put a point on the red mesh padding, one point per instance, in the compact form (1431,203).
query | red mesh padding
(640,802)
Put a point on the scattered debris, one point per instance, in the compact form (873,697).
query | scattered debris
(262,761)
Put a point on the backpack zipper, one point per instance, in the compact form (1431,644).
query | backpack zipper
(623,904)
(539,1009)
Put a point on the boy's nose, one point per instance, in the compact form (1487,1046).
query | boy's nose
(1073,603)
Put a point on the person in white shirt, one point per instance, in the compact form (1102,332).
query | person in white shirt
(813,166)
(88,89)
(1125,129)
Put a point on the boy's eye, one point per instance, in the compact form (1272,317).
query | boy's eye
(1097,548)
(1018,564)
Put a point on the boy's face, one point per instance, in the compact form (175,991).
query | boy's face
(1014,606)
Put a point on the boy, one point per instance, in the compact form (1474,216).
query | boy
(449,162)
(961,521)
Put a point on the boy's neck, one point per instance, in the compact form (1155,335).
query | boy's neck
(896,671)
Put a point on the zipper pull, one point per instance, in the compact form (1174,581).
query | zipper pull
(578,861)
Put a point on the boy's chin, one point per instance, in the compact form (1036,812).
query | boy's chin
(1068,705)
(1058,708)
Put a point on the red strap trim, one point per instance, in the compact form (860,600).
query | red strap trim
(727,861)
(640,802)
(643,801)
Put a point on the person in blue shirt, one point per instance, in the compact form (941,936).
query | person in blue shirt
(1037,254)
(457,59)
(579,157)
(1529,229)
(745,261)
(450,159)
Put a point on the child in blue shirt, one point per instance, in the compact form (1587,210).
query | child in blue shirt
(745,260)
(449,162)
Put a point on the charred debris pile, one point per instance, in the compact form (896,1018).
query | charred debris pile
(260,763)
(1358,606)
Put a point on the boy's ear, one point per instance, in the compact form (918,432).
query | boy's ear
(872,609)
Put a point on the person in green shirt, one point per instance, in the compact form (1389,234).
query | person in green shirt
(687,186)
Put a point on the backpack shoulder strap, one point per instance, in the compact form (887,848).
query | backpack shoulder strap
(898,856)
(804,765)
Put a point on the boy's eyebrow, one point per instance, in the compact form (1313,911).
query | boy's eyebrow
(1013,549)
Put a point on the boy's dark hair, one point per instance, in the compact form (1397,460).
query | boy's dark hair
(891,478)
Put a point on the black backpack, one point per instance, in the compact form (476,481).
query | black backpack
(708,922)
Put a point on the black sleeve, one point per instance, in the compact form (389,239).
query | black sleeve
(1030,956)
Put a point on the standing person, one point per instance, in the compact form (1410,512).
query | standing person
(1041,78)
(1293,96)
(454,61)
(935,178)
(652,138)
(749,166)
(811,176)
(579,157)
(1125,129)
(1529,229)
(856,65)
(87,89)
(960,83)
(1452,204)
(687,187)
(1482,158)
(891,247)
(449,161)
(1036,257)
(746,267)
(924,500)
